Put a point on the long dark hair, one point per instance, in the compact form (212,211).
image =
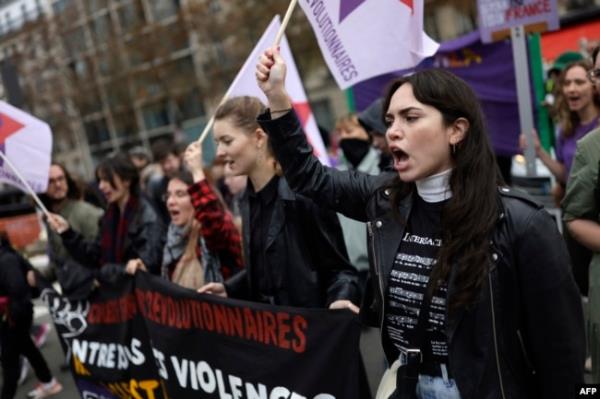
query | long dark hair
(470,215)
(74,190)
(120,164)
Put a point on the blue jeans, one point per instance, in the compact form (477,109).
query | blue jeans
(430,387)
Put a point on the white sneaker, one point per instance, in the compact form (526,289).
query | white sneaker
(45,390)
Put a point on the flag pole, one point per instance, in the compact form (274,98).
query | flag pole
(209,125)
(285,22)
(33,194)
(280,33)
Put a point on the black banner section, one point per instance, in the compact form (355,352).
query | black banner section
(146,338)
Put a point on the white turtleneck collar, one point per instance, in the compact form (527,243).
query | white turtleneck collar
(435,188)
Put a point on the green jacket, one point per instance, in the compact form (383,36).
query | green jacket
(83,218)
(580,202)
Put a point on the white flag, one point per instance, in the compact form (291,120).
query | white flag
(245,84)
(361,39)
(27,143)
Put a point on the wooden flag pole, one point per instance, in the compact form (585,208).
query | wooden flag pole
(285,22)
(33,194)
(280,33)
(210,124)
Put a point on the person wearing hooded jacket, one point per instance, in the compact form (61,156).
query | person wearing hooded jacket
(357,154)
(371,119)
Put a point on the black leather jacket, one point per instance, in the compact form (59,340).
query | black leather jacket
(305,250)
(523,338)
(13,284)
(145,240)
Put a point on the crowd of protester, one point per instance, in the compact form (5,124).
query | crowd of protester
(414,228)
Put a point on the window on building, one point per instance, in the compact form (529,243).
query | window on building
(117,93)
(101,29)
(156,115)
(126,126)
(8,21)
(89,101)
(131,16)
(24,13)
(96,131)
(180,74)
(162,9)
(100,155)
(74,41)
(109,62)
(215,6)
(61,5)
(95,5)
(175,37)
(142,48)
(189,105)
(81,69)
(147,84)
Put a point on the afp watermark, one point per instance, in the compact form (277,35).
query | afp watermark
(588,391)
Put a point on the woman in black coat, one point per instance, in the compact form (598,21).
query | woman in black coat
(294,251)
(131,232)
(470,280)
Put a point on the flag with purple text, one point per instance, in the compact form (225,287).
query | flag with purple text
(361,39)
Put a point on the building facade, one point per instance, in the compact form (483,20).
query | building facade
(112,74)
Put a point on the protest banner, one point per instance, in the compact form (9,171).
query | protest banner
(145,337)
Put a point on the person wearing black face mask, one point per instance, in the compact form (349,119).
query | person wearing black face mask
(371,119)
(357,154)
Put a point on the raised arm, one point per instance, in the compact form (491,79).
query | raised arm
(344,192)
(216,222)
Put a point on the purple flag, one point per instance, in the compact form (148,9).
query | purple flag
(489,71)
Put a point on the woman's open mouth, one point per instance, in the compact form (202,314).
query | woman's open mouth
(400,159)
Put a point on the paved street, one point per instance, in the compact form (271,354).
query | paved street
(54,356)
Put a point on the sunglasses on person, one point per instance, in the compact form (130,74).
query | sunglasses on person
(594,74)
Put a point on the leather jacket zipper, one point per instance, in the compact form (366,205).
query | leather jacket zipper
(376,266)
(525,355)
(495,334)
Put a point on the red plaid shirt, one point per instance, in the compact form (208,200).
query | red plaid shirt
(220,234)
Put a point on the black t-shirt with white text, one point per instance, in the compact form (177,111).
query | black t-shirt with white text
(408,280)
